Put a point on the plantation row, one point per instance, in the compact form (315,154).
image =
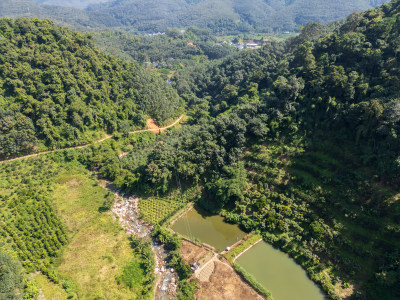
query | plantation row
(309,205)
(157,210)
(29,223)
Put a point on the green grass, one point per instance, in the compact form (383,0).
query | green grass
(231,255)
(133,275)
(97,250)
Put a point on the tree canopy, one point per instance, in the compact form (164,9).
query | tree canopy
(57,89)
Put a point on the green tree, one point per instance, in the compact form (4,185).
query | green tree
(11,278)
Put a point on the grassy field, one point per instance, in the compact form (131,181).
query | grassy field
(98,248)
(96,252)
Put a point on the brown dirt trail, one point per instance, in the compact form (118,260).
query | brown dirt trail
(153,127)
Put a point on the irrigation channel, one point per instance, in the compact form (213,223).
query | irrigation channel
(126,208)
(275,270)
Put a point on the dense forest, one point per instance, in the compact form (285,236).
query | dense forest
(57,89)
(298,140)
(222,17)
(225,16)
(170,49)
(71,3)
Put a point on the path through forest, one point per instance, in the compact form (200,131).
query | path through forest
(156,130)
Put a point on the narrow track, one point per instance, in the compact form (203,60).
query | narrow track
(107,137)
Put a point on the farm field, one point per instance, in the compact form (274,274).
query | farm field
(89,249)
(157,210)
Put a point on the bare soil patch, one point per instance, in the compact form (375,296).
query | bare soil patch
(151,124)
(344,292)
(192,253)
(225,284)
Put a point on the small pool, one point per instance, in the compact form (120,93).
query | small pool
(208,228)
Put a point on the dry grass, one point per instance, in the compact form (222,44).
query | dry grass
(192,253)
(225,284)
(98,248)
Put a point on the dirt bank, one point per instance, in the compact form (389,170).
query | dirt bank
(225,284)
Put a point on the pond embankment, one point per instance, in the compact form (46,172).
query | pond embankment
(267,269)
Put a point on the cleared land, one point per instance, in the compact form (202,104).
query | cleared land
(192,253)
(225,284)
(98,248)
(217,279)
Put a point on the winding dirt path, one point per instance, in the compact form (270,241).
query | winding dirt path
(162,129)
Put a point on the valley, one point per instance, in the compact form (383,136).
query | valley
(153,158)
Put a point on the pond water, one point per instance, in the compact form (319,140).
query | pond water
(208,228)
(278,273)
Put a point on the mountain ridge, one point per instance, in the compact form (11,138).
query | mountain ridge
(222,17)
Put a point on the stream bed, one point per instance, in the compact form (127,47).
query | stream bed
(126,209)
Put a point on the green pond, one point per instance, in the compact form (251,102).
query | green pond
(275,270)
(208,228)
(278,273)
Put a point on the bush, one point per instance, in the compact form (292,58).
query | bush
(186,290)
(11,279)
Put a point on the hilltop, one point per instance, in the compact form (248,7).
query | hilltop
(222,17)
(58,90)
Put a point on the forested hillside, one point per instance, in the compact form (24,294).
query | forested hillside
(331,80)
(194,44)
(221,16)
(165,53)
(225,16)
(72,3)
(57,89)
(298,140)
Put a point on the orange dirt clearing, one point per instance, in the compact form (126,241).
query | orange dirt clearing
(151,124)
(225,284)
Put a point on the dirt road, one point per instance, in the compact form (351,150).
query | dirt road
(95,142)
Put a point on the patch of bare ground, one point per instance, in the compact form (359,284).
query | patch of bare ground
(151,124)
(191,253)
(225,284)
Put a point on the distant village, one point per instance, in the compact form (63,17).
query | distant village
(249,44)
(241,44)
